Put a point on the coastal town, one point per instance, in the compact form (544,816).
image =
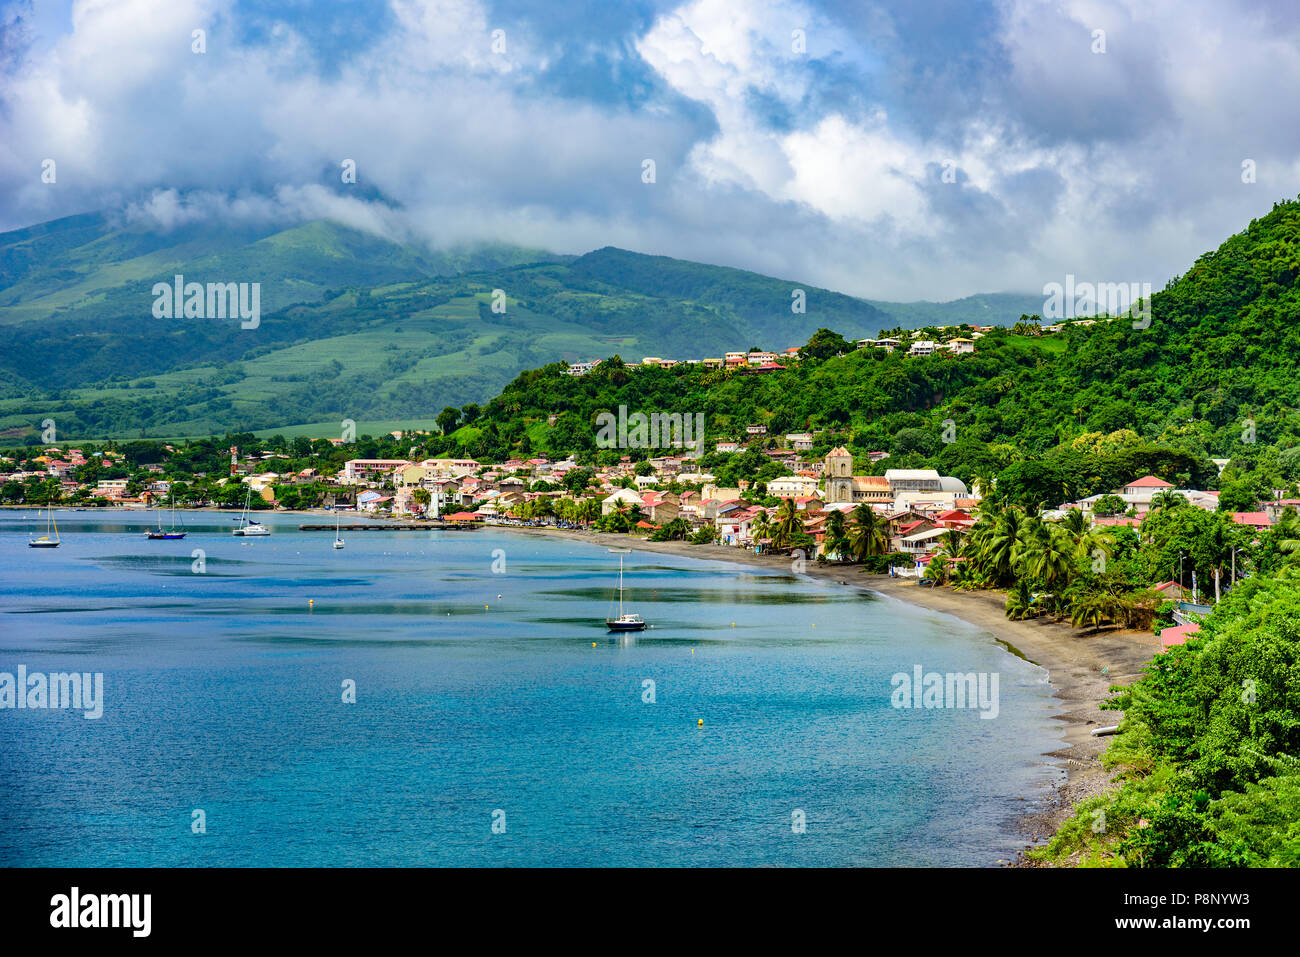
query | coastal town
(916,515)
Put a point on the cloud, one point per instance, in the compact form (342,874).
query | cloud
(886,150)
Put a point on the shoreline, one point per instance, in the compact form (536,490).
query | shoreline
(1072,657)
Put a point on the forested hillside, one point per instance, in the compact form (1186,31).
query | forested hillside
(1214,376)
(353,325)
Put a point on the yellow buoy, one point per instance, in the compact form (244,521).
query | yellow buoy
(700,724)
(485,607)
(311,601)
(593,644)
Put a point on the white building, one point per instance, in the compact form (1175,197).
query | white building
(913,480)
(792,486)
(364,470)
(622,495)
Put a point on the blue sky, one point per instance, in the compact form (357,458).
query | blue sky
(898,150)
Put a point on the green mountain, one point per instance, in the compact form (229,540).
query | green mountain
(990,309)
(352,325)
(1214,375)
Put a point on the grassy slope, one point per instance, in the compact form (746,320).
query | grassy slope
(352,325)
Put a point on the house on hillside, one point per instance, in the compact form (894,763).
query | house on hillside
(1147,486)
(623,495)
(791,486)
(1257,520)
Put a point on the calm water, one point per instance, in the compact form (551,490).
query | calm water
(223,692)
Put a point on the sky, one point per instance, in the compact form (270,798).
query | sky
(896,150)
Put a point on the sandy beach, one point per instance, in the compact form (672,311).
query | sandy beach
(1073,658)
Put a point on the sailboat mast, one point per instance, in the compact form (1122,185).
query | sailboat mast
(620,586)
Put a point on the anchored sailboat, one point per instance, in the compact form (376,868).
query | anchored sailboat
(338,542)
(171,533)
(626,621)
(45,541)
(245,526)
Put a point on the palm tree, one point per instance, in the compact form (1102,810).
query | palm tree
(788,524)
(1045,552)
(1020,602)
(1093,610)
(1001,542)
(868,535)
(620,518)
(836,541)
(1075,523)
(936,570)
(1286,531)
(761,526)
(1167,498)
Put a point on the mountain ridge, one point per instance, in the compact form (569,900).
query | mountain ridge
(352,325)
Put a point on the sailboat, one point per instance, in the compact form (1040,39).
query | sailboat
(45,541)
(626,621)
(245,526)
(338,542)
(170,533)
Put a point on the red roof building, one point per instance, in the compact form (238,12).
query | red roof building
(1148,483)
(1177,635)
(1259,520)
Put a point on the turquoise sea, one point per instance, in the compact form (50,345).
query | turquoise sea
(487,693)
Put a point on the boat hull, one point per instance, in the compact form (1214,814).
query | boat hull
(166,535)
(42,544)
(625,625)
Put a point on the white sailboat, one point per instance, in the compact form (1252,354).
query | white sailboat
(173,533)
(626,621)
(45,541)
(246,527)
(338,542)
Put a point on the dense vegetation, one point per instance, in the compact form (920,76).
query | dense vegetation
(1208,747)
(352,326)
(1070,414)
